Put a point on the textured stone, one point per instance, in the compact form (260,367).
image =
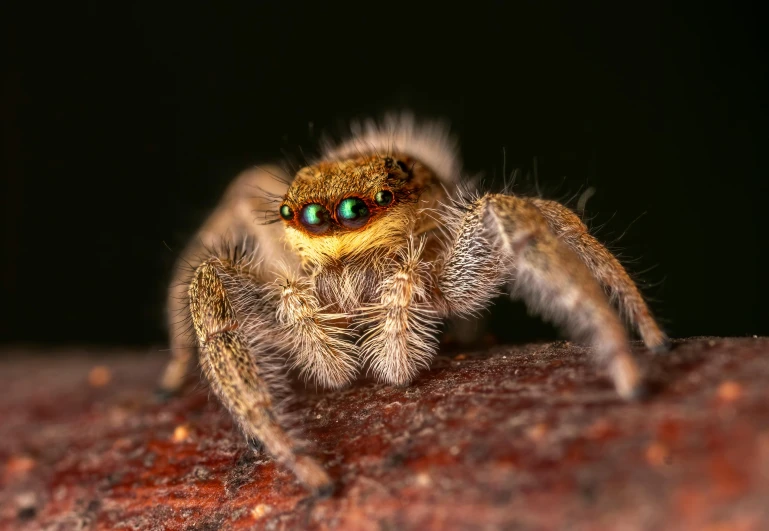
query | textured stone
(510,437)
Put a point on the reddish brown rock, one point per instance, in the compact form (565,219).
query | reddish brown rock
(513,437)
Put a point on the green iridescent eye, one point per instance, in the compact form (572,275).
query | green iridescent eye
(383,197)
(286,212)
(352,212)
(315,218)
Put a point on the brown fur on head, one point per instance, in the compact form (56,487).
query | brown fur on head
(385,227)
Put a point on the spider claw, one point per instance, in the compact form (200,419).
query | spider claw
(162,395)
(324,491)
(664,346)
(313,476)
(255,445)
(639,393)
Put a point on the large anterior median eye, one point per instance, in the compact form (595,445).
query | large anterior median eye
(352,212)
(315,218)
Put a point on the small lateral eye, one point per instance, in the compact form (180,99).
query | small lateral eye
(352,212)
(383,197)
(286,212)
(315,218)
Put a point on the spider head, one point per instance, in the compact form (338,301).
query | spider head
(337,197)
(344,207)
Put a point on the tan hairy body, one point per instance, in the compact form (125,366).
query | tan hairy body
(362,255)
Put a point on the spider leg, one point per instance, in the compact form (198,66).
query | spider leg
(246,202)
(503,238)
(318,340)
(401,325)
(230,314)
(606,268)
(182,342)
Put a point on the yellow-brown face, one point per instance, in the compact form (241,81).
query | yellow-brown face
(337,210)
(336,197)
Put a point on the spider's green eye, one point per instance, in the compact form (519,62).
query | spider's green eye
(383,197)
(315,218)
(352,212)
(286,212)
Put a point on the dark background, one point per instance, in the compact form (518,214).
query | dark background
(122,125)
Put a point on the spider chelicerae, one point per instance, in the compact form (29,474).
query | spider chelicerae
(359,257)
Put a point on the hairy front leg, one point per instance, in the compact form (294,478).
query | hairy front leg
(230,343)
(506,239)
(401,325)
(319,341)
(606,268)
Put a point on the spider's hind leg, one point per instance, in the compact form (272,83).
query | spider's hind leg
(182,341)
(606,269)
(505,238)
(231,341)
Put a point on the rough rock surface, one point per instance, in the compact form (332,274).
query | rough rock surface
(512,437)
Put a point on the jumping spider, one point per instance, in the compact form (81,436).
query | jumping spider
(376,245)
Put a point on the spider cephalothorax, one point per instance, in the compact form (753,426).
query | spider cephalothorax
(372,246)
(340,210)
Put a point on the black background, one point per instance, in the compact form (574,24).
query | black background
(122,123)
